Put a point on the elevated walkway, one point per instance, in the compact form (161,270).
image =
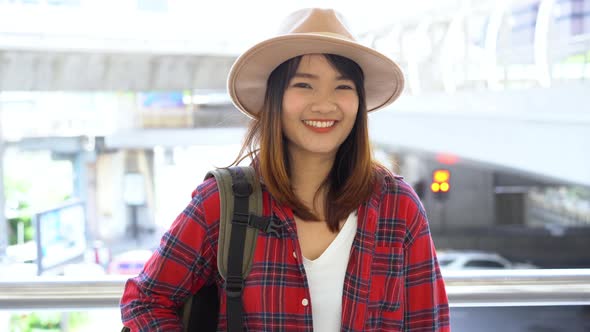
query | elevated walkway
(539,130)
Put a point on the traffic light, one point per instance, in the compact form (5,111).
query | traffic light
(441,185)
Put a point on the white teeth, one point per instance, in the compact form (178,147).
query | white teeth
(319,124)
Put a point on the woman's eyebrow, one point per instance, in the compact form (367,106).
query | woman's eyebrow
(306,75)
(315,77)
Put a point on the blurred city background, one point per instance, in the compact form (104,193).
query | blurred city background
(111,113)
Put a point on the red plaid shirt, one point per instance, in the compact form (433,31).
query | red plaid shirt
(392,282)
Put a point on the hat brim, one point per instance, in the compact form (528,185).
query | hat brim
(248,76)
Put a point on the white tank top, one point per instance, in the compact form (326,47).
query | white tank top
(325,276)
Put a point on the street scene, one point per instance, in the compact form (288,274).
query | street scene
(108,129)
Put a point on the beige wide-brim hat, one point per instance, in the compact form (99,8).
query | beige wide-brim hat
(311,31)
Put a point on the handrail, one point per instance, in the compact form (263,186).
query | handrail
(473,288)
(527,287)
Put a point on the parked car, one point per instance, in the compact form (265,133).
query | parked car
(464,260)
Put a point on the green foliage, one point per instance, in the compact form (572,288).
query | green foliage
(27,191)
(578,58)
(36,322)
(29,229)
(47,322)
(16,198)
(78,321)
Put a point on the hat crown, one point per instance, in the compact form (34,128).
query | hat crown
(316,21)
(311,31)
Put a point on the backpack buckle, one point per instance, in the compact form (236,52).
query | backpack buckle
(265,224)
(234,286)
(273,227)
(242,219)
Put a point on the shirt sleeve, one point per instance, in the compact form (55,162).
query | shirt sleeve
(183,263)
(426,303)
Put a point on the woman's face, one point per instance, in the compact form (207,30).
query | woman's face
(319,108)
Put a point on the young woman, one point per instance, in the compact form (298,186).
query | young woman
(355,251)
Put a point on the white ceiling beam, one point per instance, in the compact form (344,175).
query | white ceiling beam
(78,71)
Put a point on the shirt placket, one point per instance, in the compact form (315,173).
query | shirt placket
(303,301)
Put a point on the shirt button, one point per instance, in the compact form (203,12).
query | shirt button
(305,302)
(294,255)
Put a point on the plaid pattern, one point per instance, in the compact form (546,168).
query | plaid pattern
(392,282)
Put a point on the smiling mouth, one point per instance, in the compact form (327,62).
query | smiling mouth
(319,124)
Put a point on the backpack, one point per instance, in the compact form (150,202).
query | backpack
(240,201)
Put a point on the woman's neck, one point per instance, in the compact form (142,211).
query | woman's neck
(308,172)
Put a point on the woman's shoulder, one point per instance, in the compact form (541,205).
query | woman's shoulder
(206,189)
(389,181)
(205,200)
(393,186)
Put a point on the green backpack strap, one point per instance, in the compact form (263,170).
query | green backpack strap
(224,179)
(240,221)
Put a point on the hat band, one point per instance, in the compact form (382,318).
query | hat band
(331,34)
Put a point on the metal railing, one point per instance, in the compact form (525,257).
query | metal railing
(475,288)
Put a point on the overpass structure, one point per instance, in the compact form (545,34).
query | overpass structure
(540,131)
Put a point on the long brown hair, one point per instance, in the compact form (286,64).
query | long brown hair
(351,180)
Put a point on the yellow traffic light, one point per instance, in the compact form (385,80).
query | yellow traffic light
(435,187)
(440,182)
(441,175)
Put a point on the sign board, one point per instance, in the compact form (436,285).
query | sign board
(60,235)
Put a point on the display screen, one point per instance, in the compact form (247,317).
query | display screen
(61,235)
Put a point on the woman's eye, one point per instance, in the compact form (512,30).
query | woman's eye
(346,87)
(301,85)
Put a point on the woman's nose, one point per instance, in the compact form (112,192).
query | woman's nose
(324,104)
